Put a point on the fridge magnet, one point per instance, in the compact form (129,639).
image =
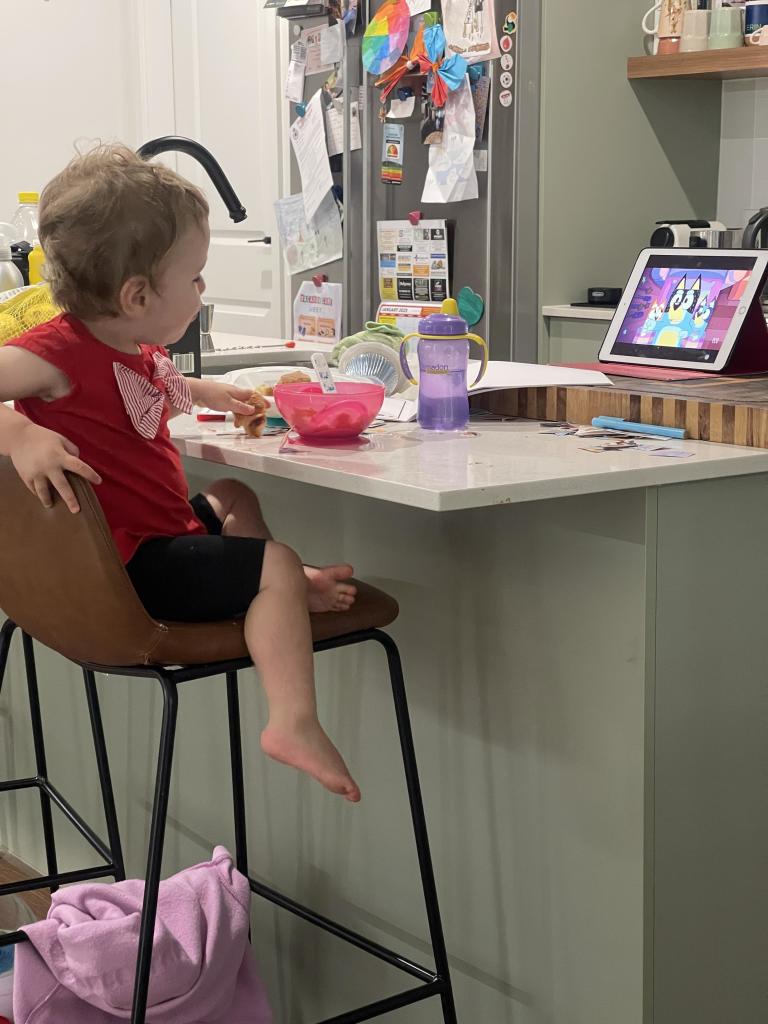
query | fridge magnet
(470,29)
(505,42)
(505,80)
(507,61)
(386,36)
(471,306)
(392,154)
(505,98)
(510,23)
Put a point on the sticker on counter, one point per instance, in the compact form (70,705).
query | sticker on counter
(507,61)
(505,98)
(505,80)
(510,23)
(505,43)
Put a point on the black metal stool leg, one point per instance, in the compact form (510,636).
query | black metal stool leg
(156,841)
(105,775)
(6,635)
(419,823)
(38,740)
(238,786)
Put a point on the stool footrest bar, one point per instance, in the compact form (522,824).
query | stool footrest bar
(62,878)
(77,821)
(341,932)
(414,995)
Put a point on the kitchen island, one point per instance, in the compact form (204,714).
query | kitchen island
(583,641)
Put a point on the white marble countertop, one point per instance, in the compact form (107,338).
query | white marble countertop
(499,463)
(579,312)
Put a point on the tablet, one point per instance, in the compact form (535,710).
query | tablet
(684,307)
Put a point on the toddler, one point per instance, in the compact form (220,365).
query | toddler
(126,243)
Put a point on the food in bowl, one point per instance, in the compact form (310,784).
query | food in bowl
(338,416)
(254,423)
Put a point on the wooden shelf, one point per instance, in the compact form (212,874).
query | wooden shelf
(746,62)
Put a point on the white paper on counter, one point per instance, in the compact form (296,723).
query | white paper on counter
(470,29)
(398,410)
(399,110)
(308,141)
(418,6)
(451,176)
(294,81)
(309,244)
(501,374)
(334,122)
(332,44)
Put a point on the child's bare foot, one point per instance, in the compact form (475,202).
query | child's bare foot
(309,749)
(328,590)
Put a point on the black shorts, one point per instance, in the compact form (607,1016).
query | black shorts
(198,578)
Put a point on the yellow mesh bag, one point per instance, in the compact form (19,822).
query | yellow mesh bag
(27,309)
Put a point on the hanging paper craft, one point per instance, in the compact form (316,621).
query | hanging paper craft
(386,36)
(445,74)
(403,66)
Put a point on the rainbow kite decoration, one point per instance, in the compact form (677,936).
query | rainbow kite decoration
(386,36)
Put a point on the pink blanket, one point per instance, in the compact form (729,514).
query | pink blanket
(78,967)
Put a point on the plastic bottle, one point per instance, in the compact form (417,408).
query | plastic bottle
(26,218)
(36,265)
(10,275)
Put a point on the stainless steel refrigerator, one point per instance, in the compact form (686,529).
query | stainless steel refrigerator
(494,237)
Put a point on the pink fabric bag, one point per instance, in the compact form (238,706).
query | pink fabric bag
(78,967)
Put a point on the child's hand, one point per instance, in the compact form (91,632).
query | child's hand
(41,456)
(222,397)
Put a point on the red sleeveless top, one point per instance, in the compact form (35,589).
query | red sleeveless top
(143,491)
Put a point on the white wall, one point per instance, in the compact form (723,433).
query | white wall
(743,185)
(81,82)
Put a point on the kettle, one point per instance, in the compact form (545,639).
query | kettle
(756,232)
(443,352)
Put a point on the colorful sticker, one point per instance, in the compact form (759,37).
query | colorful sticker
(505,98)
(392,154)
(510,23)
(505,42)
(507,62)
(505,80)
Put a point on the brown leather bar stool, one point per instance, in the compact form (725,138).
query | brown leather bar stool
(63,584)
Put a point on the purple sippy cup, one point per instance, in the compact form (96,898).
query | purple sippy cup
(443,359)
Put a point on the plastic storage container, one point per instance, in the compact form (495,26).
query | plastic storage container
(27,218)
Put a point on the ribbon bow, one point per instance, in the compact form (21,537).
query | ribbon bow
(445,73)
(144,399)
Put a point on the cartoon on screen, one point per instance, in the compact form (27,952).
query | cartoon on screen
(684,308)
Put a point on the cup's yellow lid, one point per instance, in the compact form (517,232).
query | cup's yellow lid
(29,197)
(450,307)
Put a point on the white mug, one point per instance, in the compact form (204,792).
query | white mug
(662,21)
(759,37)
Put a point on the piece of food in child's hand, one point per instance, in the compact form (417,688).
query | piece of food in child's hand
(253,423)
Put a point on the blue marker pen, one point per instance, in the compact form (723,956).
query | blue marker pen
(615,423)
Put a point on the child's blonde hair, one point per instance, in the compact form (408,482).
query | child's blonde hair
(107,217)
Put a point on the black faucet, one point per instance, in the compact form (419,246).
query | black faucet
(178,144)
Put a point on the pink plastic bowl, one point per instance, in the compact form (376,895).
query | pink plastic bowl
(338,417)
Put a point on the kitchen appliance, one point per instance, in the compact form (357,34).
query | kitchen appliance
(677,233)
(186,351)
(756,232)
(443,351)
(714,238)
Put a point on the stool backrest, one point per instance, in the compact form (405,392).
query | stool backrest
(62,581)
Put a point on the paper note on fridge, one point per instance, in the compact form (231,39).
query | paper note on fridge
(308,141)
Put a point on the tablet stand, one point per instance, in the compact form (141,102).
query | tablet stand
(750,351)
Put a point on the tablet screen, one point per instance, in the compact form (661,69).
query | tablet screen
(684,306)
